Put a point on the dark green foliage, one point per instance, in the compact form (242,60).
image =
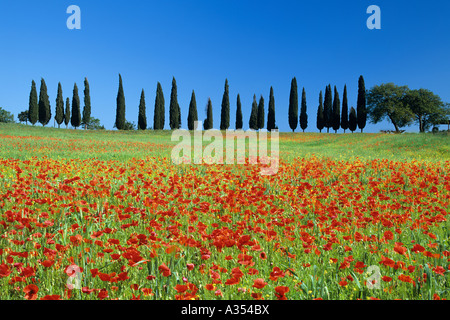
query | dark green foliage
(85,120)
(320,114)
(328,108)
(142,117)
(260,115)
(239,120)
(44,105)
(208,125)
(293,105)
(120,110)
(225,111)
(129,125)
(33,109)
(159,116)
(67,113)
(94,124)
(336,116)
(23,116)
(253,122)
(344,116)
(427,107)
(271,114)
(6,116)
(174,108)
(303,113)
(75,120)
(352,120)
(388,101)
(192,115)
(361,104)
(59,112)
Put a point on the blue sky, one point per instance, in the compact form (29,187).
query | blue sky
(254,44)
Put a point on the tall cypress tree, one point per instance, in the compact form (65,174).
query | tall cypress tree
(293,105)
(142,117)
(33,109)
(260,115)
(239,121)
(336,111)
(208,125)
(159,116)
(44,104)
(192,115)
(344,117)
(271,114)
(225,112)
(59,112)
(253,122)
(67,113)
(361,104)
(75,121)
(320,114)
(87,105)
(328,108)
(120,111)
(303,114)
(174,108)
(352,120)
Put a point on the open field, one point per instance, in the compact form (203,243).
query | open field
(109,213)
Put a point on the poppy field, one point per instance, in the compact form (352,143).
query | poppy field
(99,216)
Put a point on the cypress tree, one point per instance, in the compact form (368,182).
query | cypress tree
(67,113)
(76,112)
(33,110)
(303,114)
(344,117)
(361,104)
(192,115)
(87,105)
(328,108)
(260,115)
(253,122)
(120,111)
(293,105)
(225,112)
(44,104)
(142,117)
(320,114)
(239,121)
(271,113)
(174,108)
(336,111)
(352,120)
(159,116)
(59,112)
(208,125)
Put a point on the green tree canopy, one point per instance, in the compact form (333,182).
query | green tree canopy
(352,120)
(59,112)
(271,125)
(120,110)
(174,108)
(85,120)
(75,120)
(344,116)
(33,109)
(427,107)
(142,117)
(208,125)
(225,111)
(44,104)
(320,114)
(361,108)
(253,121)
(192,114)
(387,101)
(6,116)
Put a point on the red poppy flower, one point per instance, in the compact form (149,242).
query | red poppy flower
(4,270)
(164,270)
(103,294)
(31,291)
(190,266)
(280,292)
(180,288)
(209,287)
(263,256)
(259,283)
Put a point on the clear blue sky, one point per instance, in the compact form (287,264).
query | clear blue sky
(254,44)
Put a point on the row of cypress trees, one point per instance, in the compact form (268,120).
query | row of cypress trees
(329,114)
(40,110)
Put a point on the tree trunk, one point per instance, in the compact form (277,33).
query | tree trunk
(421,126)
